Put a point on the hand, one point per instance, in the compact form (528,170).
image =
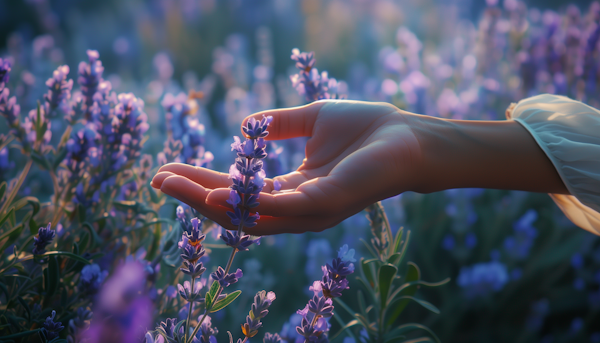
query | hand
(358,153)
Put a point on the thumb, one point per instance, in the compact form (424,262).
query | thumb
(289,122)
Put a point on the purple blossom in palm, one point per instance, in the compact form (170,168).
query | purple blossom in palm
(43,238)
(59,90)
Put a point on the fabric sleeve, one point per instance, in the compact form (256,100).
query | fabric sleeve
(568,131)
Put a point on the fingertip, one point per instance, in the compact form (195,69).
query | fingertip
(218,196)
(159,178)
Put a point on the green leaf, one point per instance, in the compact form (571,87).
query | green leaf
(4,218)
(25,306)
(53,276)
(387,272)
(396,339)
(409,328)
(212,292)
(59,157)
(373,253)
(12,235)
(412,274)
(153,196)
(419,283)
(2,189)
(221,304)
(398,239)
(423,303)
(367,272)
(398,258)
(58,253)
(41,161)
(21,334)
(344,328)
(176,329)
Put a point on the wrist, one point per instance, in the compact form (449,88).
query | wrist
(481,154)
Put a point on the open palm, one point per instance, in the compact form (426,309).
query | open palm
(357,153)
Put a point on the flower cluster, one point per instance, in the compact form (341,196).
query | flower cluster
(518,245)
(185,129)
(59,90)
(91,279)
(314,322)
(309,82)
(90,77)
(43,238)
(483,278)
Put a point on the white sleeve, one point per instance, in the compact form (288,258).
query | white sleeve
(569,133)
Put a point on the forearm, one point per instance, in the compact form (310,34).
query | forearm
(482,154)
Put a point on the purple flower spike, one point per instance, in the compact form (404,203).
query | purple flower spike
(50,328)
(226,279)
(321,306)
(43,238)
(59,89)
(272,338)
(90,77)
(5,68)
(240,243)
(262,301)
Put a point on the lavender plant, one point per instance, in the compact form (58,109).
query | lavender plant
(96,205)
(309,82)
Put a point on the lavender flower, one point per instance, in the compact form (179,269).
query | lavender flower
(43,238)
(309,82)
(262,301)
(5,68)
(518,246)
(91,279)
(239,243)
(50,328)
(320,307)
(90,77)
(59,89)
(9,108)
(226,279)
(483,278)
(271,338)
(247,175)
(80,323)
(207,332)
(123,309)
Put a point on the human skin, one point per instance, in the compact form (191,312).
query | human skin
(361,152)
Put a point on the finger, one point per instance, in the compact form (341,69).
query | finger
(312,198)
(289,122)
(205,177)
(158,179)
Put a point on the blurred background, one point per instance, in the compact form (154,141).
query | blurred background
(520,271)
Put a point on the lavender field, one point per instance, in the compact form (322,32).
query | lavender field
(96,96)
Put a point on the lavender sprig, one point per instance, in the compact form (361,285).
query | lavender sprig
(59,90)
(50,328)
(314,326)
(247,176)
(309,82)
(43,238)
(259,310)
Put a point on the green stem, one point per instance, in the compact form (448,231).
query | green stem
(14,191)
(191,303)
